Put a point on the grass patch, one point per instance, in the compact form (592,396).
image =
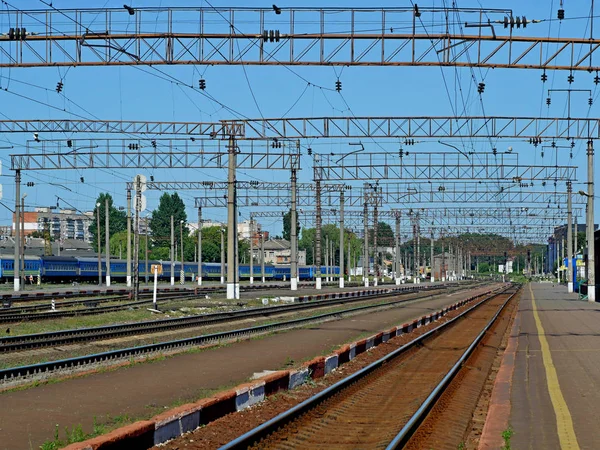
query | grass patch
(506,437)
(75,434)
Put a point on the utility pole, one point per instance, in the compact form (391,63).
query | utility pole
(251,249)
(22,249)
(233,287)
(199,246)
(590,224)
(432,279)
(182,272)
(223,256)
(136,239)
(350,265)
(397,275)
(172,252)
(318,232)
(294,231)
(146,249)
(366,240)
(443,265)
(129,239)
(17,262)
(262,256)
(107,239)
(342,200)
(99,244)
(376,250)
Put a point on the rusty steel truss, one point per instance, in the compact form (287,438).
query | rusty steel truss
(460,37)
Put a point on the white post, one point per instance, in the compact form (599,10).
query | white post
(155,286)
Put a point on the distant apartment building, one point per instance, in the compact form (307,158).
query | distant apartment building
(63,224)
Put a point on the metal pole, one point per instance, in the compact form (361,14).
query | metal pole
(342,239)
(22,249)
(318,234)
(99,244)
(172,252)
(251,251)
(146,250)
(262,256)
(129,238)
(397,248)
(222,256)
(107,239)
(294,234)
(432,279)
(182,281)
(366,241)
(16,263)
(375,249)
(199,246)
(443,265)
(136,240)
(233,287)
(350,265)
(590,224)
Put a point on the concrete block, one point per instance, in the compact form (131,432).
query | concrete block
(370,343)
(298,378)
(386,336)
(331,362)
(257,393)
(175,422)
(343,354)
(352,353)
(217,406)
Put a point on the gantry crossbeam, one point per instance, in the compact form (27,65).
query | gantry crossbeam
(440,127)
(296,36)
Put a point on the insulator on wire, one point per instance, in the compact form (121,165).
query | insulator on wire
(338,85)
(570,78)
(481,88)
(544,77)
(561,14)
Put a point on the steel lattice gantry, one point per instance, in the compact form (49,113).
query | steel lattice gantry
(440,127)
(294,36)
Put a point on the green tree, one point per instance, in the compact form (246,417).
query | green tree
(287,225)
(160,224)
(117,219)
(118,245)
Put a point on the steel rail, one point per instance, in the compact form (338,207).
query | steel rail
(256,434)
(411,426)
(29,371)
(9,315)
(37,340)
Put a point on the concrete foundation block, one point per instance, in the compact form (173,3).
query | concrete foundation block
(298,378)
(352,353)
(331,363)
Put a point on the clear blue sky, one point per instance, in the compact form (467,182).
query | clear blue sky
(128,93)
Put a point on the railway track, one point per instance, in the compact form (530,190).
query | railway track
(382,405)
(16,375)
(64,337)
(89,306)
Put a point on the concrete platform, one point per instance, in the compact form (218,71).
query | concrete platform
(550,374)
